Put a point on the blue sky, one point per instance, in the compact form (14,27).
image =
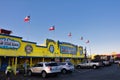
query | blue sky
(95,20)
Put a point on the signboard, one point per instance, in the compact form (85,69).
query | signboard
(51,48)
(67,48)
(81,50)
(7,43)
(28,49)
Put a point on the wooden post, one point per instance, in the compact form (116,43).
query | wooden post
(63,59)
(30,62)
(43,60)
(12,61)
(15,68)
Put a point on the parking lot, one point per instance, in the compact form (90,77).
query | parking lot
(60,76)
(104,73)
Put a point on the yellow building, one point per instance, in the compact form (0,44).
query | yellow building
(15,51)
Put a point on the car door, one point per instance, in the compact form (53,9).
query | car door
(38,68)
(83,64)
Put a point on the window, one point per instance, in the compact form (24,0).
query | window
(51,64)
(38,65)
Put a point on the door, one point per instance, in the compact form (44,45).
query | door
(4,63)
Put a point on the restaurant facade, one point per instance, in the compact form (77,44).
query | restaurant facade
(15,51)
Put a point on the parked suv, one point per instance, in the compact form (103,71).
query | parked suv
(66,67)
(44,68)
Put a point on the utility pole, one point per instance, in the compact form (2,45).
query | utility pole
(85,54)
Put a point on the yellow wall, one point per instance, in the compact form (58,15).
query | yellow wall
(38,51)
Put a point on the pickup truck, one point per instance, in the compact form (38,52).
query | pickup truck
(89,64)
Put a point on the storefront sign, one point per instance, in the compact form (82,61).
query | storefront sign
(81,52)
(51,48)
(8,43)
(68,50)
(28,49)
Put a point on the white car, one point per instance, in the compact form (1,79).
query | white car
(44,68)
(117,61)
(66,67)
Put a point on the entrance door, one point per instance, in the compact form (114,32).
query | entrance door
(4,63)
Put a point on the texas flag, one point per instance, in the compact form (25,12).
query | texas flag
(87,41)
(70,34)
(52,28)
(81,38)
(27,19)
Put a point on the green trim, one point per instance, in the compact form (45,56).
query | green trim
(41,46)
(29,42)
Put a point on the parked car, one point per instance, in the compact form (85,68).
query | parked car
(117,61)
(106,63)
(44,68)
(89,64)
(66,67)
(119,64)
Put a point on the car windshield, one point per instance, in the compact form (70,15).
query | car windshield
(64,63)
(70,64)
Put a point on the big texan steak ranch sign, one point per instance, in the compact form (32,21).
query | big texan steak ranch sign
(7,43)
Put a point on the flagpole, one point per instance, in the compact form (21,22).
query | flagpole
(88,44)
(89,50)
(70,36)
(85,54)
(52,28)
(54,34)
(82,42)
(27,19)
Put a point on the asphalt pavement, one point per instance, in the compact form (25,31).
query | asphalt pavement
(104,73)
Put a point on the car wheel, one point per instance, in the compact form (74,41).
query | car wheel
(94,66)
(71,72)
(64,71)
(44,74)
(29,73)
(79,67)
(56,75)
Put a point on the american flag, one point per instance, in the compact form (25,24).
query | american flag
(87,41)
(81,38)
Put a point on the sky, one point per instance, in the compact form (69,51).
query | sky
(95,20)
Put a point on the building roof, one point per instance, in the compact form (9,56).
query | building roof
(3,31)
